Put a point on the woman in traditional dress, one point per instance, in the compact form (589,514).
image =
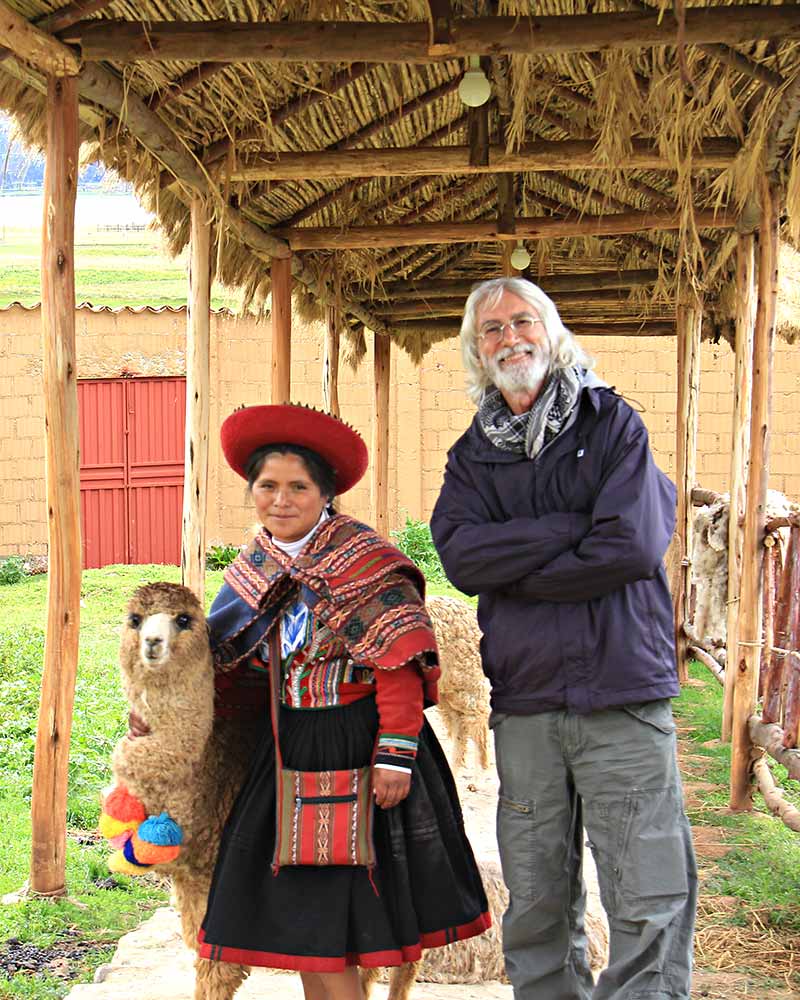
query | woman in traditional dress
(344,611)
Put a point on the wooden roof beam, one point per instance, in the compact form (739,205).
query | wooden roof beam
(441,329)
(345,190)
(30,44)
(725,54)
(556,283)
(385,121)
(567,154)
(424,306)
(62,18)
(421,233)
(392,42)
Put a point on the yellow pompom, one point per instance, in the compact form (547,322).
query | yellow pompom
(118,863)
(110,827)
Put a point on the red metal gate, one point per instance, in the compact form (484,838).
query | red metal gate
(132,455)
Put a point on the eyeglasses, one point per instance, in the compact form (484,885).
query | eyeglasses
(492,333)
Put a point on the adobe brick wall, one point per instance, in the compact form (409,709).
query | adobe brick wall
(429,407)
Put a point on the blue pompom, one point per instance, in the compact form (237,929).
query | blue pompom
(161,830)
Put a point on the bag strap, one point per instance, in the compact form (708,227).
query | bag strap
(275,671)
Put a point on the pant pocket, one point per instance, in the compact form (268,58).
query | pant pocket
(651,857)
(657,714)
(516,837)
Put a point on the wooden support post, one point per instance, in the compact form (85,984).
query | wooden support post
(746,665)
(689,321)
(198,378)
(49,797)
(330,362)
(380,436)
(742,385)
(281,330)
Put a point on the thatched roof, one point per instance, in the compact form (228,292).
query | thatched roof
(612,150)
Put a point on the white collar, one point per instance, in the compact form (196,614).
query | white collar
(292,549)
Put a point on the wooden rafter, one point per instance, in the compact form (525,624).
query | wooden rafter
(330,238)
(348,41)
(193,78)
(291,109)
(32,45)
(62,18)
(441,329)
(403,110)
(443,262)
(345,190)
(556,283)
(454,306)
(725,54)
(568,154)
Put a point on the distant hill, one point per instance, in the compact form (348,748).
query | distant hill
(22,169)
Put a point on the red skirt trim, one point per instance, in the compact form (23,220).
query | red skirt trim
(372,959)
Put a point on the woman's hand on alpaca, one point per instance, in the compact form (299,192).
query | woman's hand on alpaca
(136,726)
(390,787)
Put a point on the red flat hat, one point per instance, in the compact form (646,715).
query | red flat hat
(253,427)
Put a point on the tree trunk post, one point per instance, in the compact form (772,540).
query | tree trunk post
(380,443)
(198,378)
(740,445)
(281,330)
(49,796)
(689,320)
(746,665)
(330,362)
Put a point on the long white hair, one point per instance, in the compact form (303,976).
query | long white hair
(565,351)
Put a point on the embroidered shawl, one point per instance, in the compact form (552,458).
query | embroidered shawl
(362,587)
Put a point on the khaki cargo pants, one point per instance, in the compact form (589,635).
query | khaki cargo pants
(615,772)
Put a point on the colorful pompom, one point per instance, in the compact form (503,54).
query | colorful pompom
(112,828)
(152,854)
(121,839)
(119,863)
(119,804)
(162,831)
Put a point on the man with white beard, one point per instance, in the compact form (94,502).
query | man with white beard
(554,512)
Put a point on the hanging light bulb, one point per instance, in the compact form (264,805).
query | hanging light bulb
(474,89)
(520,258)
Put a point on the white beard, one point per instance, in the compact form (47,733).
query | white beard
(523,376)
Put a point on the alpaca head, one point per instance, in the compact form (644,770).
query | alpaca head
(165,633)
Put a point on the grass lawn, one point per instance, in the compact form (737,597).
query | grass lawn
(111,269)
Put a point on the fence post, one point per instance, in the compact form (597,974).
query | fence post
(746,665)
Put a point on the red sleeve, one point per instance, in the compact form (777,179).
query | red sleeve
(398,694)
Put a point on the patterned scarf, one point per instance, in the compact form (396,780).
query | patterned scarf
(364,589)
(527,433)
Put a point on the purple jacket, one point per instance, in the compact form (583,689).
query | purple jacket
(566,554)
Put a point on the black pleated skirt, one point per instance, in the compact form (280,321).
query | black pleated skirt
(425,891)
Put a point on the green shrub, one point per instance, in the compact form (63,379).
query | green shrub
(12,570)
(414,540)
(220,556)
